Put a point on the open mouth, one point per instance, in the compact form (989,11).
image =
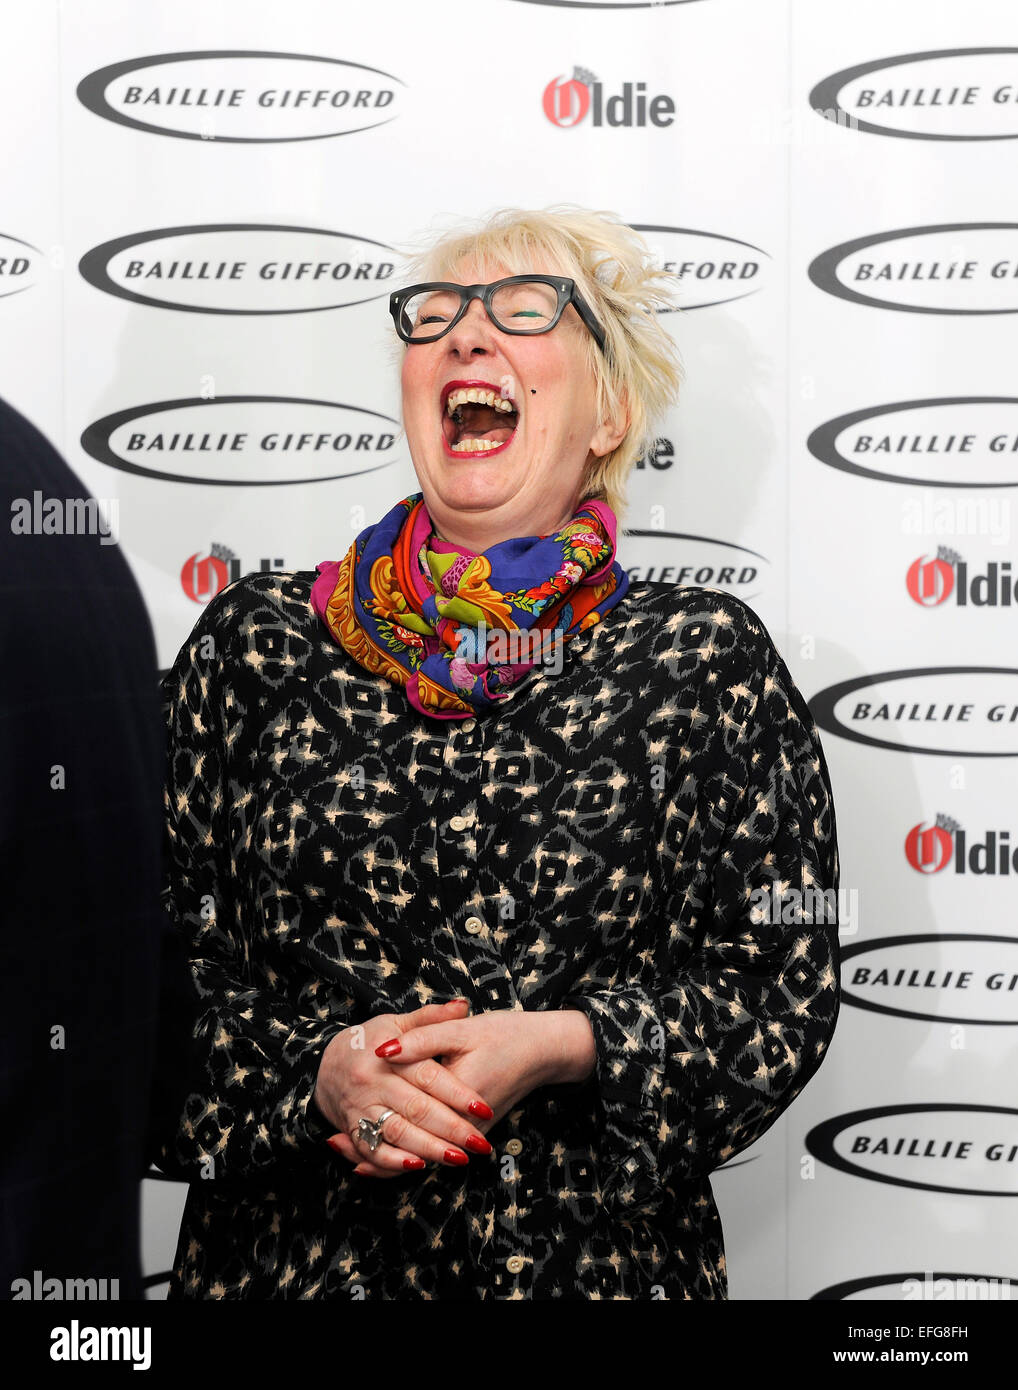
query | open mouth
(477,419)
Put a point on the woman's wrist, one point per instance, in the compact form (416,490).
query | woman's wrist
(575,1055)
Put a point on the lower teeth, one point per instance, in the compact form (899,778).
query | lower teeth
(475,446)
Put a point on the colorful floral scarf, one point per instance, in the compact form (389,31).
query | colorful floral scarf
(457,628)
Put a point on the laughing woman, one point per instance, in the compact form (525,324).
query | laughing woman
(467,835)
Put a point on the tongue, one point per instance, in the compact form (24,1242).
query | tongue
(483,422)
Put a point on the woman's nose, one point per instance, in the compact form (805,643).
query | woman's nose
(475,329)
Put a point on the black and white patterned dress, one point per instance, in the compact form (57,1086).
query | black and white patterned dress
(596,842)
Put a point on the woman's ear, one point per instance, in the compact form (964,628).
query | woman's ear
(611,432)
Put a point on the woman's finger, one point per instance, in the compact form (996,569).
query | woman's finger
(388,1160)
(343,1144)
(422,1128)
(428,1040)
(429,1075)
(434,1013)
(427,1127)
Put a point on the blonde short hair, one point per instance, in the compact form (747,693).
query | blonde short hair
(614,271)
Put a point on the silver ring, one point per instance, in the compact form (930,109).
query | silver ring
(370,1131)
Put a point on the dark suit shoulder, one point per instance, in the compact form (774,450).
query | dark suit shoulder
(711,621)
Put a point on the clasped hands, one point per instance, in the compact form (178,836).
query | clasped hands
(448,1076)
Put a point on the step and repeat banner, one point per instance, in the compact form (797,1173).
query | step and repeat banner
(204,210)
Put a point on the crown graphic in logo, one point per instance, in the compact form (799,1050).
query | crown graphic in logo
(583,75)
(946,823)
(950,556)
(222,552)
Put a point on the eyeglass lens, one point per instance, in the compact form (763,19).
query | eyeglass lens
(528,306)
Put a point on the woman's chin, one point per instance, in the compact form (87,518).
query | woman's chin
(481,472)
(474,485)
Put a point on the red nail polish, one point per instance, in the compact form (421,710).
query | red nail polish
(333,1144)
(389,1049)
(454,1156)
(482,1111)
(413,1163)
(477,1144)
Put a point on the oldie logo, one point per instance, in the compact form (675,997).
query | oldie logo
(206,573)
(241,96)
(945,578)
(242,268)
(244,441)
(932,848)
(949,94)
(569,101)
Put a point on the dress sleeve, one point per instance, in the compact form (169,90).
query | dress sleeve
(698,1057)
(255,1057)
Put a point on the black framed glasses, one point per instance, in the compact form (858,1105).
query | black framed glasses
(523,304)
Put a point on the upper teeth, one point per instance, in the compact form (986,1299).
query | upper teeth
(478,396)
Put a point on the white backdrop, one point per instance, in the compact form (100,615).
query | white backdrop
(834,187)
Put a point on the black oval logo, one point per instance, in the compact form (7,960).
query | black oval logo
(241,268)
(938,105)
(19,265)
(952,268)
(961,976)
(709,267)
(244,441)
(971,440)
(242,96)
(975,1158)
(964,711)
(925,1284)
(611,4)
(703,562)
